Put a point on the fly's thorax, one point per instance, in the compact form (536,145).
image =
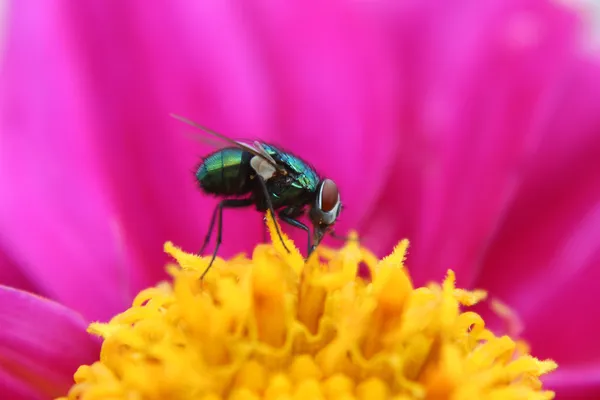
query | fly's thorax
(286,192)
(304,176)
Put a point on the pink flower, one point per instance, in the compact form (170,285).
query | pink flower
(469,128)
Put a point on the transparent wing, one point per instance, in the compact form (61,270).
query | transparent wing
(255,149)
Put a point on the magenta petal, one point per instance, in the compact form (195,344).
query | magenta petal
(19,389)
(56,219)
(248,72)
(333,83)
(567,311)
(108,172)
(41,346)
(478,80)
(549,240)
(13,275)
(564,326)
(544,258)
(571,383)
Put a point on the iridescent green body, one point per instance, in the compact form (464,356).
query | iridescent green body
(297,190)
(227,172)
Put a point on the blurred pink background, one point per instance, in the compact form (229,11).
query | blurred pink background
(472,129)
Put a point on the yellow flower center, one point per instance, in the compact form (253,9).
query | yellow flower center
(275,327)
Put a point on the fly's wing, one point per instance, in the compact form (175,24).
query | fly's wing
(257,149)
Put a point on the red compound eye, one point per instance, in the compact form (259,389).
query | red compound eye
(329,195)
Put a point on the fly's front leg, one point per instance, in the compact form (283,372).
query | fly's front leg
(285,217)
(265,192)
(341,237)
(265,230)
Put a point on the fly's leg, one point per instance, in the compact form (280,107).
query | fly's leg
(263,186)
(265,230)
(229,203)
(297,224)
(340,237)
(210,229)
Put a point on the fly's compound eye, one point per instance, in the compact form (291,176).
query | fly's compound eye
(329,196)
(327,205)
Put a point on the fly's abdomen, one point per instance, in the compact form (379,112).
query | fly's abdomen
(225,172)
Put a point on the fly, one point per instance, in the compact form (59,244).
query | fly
(270,179)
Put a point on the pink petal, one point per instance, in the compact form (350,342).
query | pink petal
(544,259)
(576,383)
(248,73)
(90,133)
(13,275)
(565,327)
(55,215)
(41,345)
(478,81)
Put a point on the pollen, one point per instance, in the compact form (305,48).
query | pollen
(276,327)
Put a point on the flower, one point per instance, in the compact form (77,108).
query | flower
(276,327)
(471,126)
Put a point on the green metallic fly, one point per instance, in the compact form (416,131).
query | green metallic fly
(262,175)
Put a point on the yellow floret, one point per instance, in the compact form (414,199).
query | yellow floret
(275,327)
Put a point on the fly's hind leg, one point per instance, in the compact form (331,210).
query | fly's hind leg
(218,213)
(210,229)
